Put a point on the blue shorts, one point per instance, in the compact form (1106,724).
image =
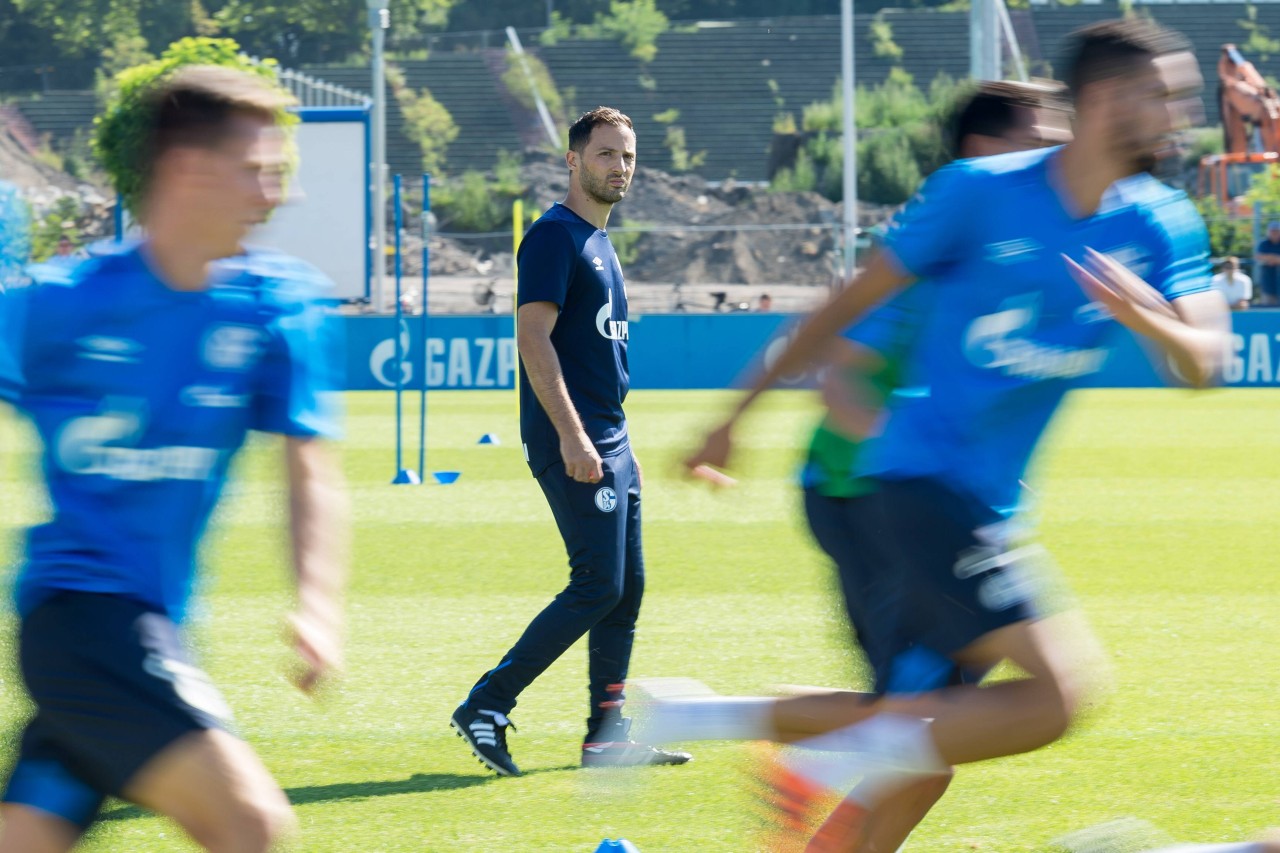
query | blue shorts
(925,572)
(962,577)
(113,687)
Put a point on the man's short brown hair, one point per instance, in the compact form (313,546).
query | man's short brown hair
(580,130)
(197,105)
(1110,49)
(997,107)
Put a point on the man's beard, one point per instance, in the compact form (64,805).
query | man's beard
(600,191)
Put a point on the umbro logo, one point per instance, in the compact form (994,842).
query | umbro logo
(599,264)
(107,348)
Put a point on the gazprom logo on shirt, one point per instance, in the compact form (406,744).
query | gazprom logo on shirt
(1012,251)
(101,445)
(1000,341)
(107,348)
(1136,258)
(614,330)
(232,347)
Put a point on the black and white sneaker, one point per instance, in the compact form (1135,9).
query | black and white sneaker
(486,733)
(611,746)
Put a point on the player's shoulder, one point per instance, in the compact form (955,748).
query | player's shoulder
(974,177)
(557,230)
(110,265)
(1011,168)
(1158,205)
(1144,190)
(274,278)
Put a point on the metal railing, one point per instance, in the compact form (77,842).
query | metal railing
(314,92)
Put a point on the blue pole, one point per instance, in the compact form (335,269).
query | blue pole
(426,276)
(399,339)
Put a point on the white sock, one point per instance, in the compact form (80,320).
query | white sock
(709,718)
(882,751)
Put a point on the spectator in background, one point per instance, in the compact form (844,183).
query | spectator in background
(1235,286)
(1267,256)
(765,304)
(66,253)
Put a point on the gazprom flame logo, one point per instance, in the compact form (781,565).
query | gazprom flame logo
(614,330)
(383,359)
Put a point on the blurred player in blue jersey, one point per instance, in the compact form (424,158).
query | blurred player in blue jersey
(1030,257)
(142,372)
(866,365)
(15,237)
(572,335)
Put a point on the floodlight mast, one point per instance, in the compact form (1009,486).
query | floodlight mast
(379,22)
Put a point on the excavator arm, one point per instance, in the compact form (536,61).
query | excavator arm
(1246,101)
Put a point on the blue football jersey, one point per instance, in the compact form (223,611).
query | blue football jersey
(141,395)
(15,237)
(568,261)
(1010,330)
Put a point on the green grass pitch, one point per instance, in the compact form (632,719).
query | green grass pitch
(1161,506)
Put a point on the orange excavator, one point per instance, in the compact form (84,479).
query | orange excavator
(1250,114)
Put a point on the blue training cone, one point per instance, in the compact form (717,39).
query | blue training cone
(488,438)
(622,845)
(446,478)
(405,477)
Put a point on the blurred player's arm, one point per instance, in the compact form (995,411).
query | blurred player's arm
(882,277)
(319,525)
(534,323)
(1191,330)
(852,400)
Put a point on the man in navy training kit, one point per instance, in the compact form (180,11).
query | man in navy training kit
(1025,286)
(142,371)
(572,338)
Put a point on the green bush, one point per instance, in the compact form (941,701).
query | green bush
(117,137)
(681,159)
(635,23)
(426,121)
(518,85)
(626,243)
(1228,235)
(900,140)
(469,203)
(58,222)
(801,177)
(887,168)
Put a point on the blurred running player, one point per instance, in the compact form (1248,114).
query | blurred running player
(865,366)
(1024,254)
(142,371)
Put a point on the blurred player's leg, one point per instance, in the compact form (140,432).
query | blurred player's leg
(852,828)
(218,790)
(24,829)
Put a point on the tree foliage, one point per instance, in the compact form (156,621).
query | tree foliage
(900,139)
(426,120)
(117,139)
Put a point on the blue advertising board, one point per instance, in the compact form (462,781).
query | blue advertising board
(703,351)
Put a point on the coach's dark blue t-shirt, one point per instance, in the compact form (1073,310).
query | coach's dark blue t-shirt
(566,260)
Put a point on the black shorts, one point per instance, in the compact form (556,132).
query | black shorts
(113,686)
(927,570)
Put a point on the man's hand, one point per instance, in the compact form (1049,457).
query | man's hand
(581,461)
(1123,294)
(318,644)
(715,449)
